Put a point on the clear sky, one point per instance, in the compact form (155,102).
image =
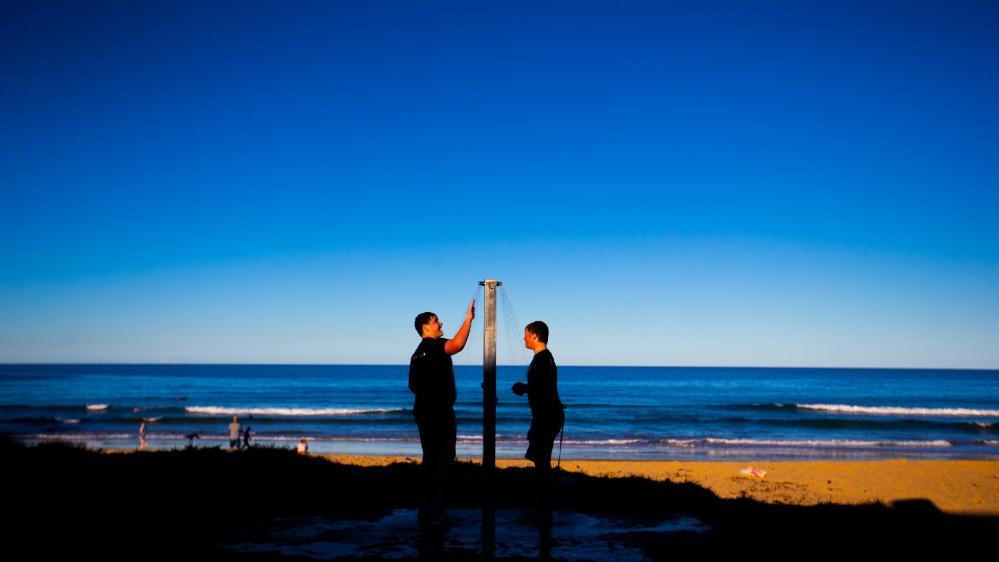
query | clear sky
(712,183)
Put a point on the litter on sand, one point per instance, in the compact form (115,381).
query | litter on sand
(753,472)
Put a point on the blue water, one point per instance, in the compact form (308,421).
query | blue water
(611,412)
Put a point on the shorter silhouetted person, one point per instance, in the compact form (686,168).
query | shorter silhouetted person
(247,434)
(303,446)
(547,411)
(235,433)
(142,436)
(190,439)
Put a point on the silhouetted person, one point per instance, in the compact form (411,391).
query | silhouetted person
(431,380)
(142,436)
(190,439)
(247,434)
(235,433)
(547,411)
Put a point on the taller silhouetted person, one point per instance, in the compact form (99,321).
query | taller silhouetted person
(431,380)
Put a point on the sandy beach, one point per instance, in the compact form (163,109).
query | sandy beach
(955,486)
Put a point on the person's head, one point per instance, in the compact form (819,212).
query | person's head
(428,326)
(235,419)
(536,335)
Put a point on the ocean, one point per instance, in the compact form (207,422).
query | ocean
(682,413)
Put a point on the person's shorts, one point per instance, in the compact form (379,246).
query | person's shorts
(541,437)
(438,434)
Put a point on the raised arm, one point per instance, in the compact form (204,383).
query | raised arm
(457,343)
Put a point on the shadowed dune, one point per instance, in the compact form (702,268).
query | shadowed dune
(192,503)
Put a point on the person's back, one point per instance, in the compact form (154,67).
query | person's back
(542,383)
(235,432)
(431,379)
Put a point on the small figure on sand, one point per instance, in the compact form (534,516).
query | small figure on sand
(190,439)
(247,434)
(142,436)
(547,411)
(303,446)
(235,433)
(431,380)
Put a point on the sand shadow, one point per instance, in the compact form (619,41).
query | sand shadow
(265,504)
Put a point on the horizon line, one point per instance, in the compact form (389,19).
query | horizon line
(222,364)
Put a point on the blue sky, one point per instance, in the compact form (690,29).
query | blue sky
(712,183)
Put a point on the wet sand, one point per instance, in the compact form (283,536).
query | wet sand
(954,486)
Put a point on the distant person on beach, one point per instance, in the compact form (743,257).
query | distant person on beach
(142,436)
(246,437)
(303,446)
(431,380)
(547,411)
(235,433)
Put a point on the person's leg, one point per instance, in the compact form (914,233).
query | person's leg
(543,475)
(533,436)
(426,467)
(546,433)
(445,434)
(438,480)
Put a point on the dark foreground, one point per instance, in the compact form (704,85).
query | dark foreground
(271,504)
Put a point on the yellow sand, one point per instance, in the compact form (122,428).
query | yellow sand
(954,486)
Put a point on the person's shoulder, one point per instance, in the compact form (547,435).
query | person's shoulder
(429,346)
(542,360)
(434,343)
(546,355)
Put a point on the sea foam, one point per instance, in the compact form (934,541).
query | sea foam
(222,411)
(899,411)
(825,443)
